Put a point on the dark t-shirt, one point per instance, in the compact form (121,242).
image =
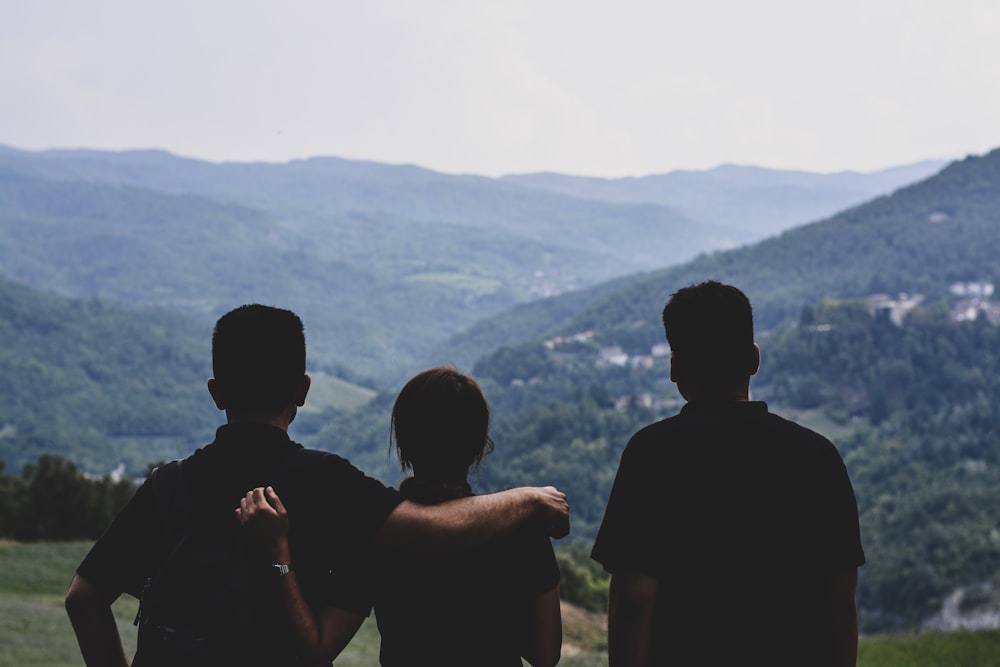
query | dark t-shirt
(334,512)
(739,514)
(462,608)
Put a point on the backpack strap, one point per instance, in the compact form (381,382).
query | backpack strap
(173,504)
(173,499)
(175,507)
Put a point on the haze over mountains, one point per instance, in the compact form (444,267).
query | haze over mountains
(359,248)
(765,201)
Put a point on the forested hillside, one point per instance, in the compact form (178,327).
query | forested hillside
(99,384)
(104,386)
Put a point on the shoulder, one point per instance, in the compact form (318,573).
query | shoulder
(656,432)
(334,483)
(809,457)
(802,438)
(315,470)
(319,462)
(654,441)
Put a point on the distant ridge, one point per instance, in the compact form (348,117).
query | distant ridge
(765,201)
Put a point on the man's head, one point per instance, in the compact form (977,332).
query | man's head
(710,330)
(259,362)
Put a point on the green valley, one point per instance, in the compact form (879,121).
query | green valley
(878,326)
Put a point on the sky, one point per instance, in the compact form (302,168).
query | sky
(597,88)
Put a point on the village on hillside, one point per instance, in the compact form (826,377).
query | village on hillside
(972,301)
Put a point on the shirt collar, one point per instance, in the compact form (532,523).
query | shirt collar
(723,407)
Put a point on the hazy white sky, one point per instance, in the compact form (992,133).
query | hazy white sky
(605,88)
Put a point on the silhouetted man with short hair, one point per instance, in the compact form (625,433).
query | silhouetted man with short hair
(731,534)
(258,356)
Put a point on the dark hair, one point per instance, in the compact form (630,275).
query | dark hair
(440,423)
(710,330)
(259,357)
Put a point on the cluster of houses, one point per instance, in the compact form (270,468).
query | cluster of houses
(613,356)
(972,303)
(543,286)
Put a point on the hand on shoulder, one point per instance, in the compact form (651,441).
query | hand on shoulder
(263,516)
(553,510)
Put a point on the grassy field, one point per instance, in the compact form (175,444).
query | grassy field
(34,630)
(960,649)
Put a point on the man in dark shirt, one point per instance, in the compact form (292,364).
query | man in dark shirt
(731,534)
(258,356)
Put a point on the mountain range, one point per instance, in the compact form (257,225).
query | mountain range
(357,248)
(877,322)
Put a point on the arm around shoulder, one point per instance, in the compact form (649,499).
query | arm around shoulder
(473,521)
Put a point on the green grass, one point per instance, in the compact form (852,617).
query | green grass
(34,630)
(39,569)
(959,649)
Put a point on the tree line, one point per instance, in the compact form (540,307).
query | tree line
(53,500)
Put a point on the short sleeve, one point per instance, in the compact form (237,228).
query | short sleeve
(536,568)
(624,540)
(841,538)
(126,554)
(361,503)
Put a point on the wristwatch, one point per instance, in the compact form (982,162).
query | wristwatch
(281,569)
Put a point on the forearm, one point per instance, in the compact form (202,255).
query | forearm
(845,641)
(89,611)
(319,637)
(630,619)
(473,521)
(456,524)
(841,589)
(542,639)
(301,619)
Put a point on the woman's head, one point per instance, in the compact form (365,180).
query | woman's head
(440,423)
